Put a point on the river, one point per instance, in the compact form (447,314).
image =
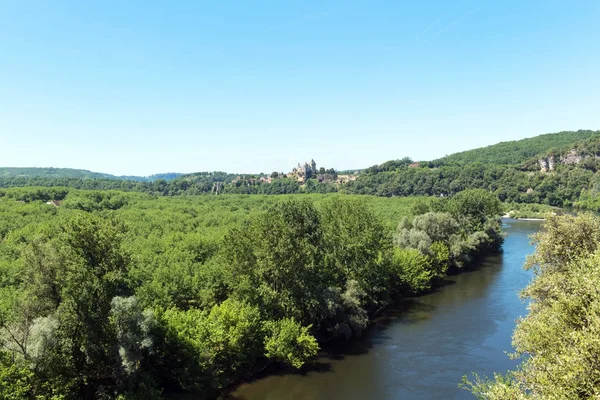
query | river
(422,350)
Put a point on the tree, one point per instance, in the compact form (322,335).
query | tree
(134,329)
(221,343)
(411,271)
(289,342)
(276,261)
(356,246)
(565,239)
(476,206)
(16,381)
(94,273)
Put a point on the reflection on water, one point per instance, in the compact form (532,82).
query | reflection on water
(422,349)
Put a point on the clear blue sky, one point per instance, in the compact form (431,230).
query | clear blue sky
(140,87)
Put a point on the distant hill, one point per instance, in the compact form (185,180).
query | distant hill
(166,176)
(518,152)
(71,173)
(558,169)
(6,172)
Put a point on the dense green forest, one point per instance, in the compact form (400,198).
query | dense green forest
(45,174)
(558,342)
(559,169)
(110,294)
(561,187)
(517,152)
(138,289)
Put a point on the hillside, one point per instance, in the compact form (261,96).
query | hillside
(558,169)
(518,151)
(71,173)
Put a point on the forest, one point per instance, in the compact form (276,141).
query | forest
(559,170)
(111,294)
(517,152)
(114,288)
(511,170)
(70,173)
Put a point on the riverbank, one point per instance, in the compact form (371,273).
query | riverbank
(508,216)
(529,211)
(337,348)
(422,348)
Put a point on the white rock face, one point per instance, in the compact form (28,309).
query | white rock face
(572,158)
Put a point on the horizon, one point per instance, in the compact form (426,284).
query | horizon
(142,88)
(285,171)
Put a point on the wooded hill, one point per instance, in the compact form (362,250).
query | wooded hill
(9,173)
(518,152)
(559,169)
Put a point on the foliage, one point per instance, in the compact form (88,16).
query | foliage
(71,173)
(475,206)
(389,166)
(114,294)
(95,200)
(356,245)
(411,270)
(452,238)
(221,343)
(15,380)
(558,340)
(134,328)
(565,239)
(343,313)
(510,170)
(276,261)
(289,342)
(518,151)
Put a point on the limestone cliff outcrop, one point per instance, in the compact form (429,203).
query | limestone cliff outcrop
(546,164)
(573,157)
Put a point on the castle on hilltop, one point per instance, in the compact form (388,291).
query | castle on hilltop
(304,172)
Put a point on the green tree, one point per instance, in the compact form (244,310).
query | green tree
(356,247)
(94,273)
(222,343)
(16,381)
(411,271)
(289,342)
(475,206)
(276,261)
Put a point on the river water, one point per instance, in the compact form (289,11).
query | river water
(422,350)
